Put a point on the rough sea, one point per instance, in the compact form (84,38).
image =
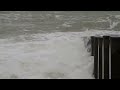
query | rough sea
(51,44)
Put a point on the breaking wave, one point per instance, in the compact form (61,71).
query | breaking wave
(59,55)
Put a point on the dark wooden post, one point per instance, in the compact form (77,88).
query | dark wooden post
(115,57)
(96,57)
(106,56)
(92,45)
(100,40)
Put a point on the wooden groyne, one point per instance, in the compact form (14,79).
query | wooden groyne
(106,52)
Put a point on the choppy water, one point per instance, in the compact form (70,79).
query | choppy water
(51,45)
(15,23)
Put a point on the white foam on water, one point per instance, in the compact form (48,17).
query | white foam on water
(60,55)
